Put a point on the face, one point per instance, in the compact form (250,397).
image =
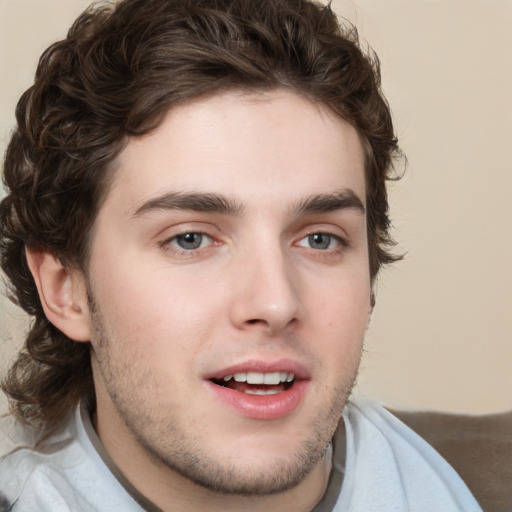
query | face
(229,290)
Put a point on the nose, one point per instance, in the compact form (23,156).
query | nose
(267,292)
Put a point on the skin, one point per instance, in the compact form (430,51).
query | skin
(161,317)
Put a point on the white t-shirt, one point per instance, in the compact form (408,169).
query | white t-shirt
(379,465)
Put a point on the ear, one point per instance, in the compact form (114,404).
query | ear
(63,294)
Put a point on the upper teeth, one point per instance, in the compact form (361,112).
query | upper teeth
(261,378)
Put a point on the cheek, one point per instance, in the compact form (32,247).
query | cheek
(154,313)
(340,313)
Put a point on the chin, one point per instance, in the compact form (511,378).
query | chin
(258,478)
(267,461)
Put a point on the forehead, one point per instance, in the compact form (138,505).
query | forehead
(252,146)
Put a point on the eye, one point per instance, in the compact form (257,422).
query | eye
(190,241)
(320,241)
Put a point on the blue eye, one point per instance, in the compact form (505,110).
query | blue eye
(190,241)
(320,241)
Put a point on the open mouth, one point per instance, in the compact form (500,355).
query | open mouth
(256,383)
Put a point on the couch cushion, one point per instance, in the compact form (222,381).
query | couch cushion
(479,448)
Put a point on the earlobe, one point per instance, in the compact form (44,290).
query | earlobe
(62,293)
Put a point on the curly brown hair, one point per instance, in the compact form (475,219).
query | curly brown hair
(117,73)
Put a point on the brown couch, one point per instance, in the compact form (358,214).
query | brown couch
(479,448)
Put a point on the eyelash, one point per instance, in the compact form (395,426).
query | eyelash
(169,244)
(342,243)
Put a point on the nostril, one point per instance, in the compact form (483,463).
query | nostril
(254,321)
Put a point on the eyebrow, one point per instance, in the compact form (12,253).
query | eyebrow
(216,203)
(199,202)
(323,203)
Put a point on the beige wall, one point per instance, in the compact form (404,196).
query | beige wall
(441,335)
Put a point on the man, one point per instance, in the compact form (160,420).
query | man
(196,215)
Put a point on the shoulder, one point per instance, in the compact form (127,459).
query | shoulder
(390,467)
(41,473)
(63,473)
(37,478)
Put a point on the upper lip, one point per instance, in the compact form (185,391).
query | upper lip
(260,366)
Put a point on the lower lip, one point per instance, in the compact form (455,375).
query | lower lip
(262,407)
